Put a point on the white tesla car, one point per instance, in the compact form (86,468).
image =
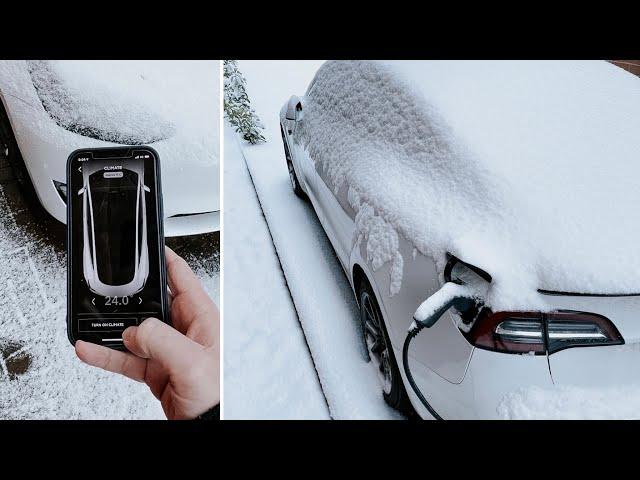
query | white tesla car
(487,215)
(51,108)
(121,267)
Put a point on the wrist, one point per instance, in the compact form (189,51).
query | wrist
(211,414)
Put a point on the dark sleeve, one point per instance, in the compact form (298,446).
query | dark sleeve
(213,414)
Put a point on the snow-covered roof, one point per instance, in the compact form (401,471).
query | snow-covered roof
(529,170)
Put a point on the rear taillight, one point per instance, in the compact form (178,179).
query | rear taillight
(567,329)
(538,333)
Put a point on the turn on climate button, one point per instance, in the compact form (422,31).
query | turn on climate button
(106,325)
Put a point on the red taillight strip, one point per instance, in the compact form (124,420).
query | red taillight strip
(491,331)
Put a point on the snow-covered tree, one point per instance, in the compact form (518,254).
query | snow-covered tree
(237,106)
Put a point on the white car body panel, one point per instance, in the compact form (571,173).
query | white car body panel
(605,365)
(449,350)
(190,185)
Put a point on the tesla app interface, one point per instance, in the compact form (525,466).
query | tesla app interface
(116,276)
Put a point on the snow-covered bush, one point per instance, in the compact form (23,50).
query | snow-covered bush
(237,106)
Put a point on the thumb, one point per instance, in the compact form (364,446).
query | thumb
(159,341)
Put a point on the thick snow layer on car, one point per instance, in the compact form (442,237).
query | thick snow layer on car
(526,169)
(572,403)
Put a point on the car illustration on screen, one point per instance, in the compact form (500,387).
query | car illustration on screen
(115,254)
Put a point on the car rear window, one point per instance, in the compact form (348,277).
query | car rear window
(114,217)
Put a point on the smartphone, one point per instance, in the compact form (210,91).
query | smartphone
(116,271)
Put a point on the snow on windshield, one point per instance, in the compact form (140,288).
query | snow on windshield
(526,169)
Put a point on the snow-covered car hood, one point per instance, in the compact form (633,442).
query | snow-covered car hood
(528,170)
(119,103)
(175,103)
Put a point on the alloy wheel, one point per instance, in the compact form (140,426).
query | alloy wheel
(292,176)
(376,341)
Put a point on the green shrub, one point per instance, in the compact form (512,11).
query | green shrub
(237,106)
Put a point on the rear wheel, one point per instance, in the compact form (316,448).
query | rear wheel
(293,178)
(379,348)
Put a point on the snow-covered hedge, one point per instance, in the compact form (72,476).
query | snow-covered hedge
(237,106)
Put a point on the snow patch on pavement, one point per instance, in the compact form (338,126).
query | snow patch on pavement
(57,385)
(268,372)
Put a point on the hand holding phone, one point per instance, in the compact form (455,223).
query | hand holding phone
(180,365)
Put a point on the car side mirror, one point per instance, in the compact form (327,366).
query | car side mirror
(450,295)
(294,109)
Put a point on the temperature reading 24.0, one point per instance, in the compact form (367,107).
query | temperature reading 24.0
(114,301)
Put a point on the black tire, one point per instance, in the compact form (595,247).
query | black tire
(293,178)
(393,392)
(9,148)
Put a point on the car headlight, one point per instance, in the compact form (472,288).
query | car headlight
(61,188)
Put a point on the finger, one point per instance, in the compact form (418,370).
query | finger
(197,319)
(111,360)
(179,275)
(157,378)
(193,311)
(157,340)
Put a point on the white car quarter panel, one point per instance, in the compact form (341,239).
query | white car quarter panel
(337,223)
(450,400)
(441,348)
(492,375)
(615,365)
(600,365)
(624,312)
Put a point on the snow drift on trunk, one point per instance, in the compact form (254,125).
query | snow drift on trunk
(526,169)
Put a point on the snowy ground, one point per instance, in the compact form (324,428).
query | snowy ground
(320,292)
(268,372)
(40,376)
(572,403)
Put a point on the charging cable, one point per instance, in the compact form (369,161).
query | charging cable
(428,313)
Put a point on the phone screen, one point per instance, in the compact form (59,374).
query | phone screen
(115,247)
